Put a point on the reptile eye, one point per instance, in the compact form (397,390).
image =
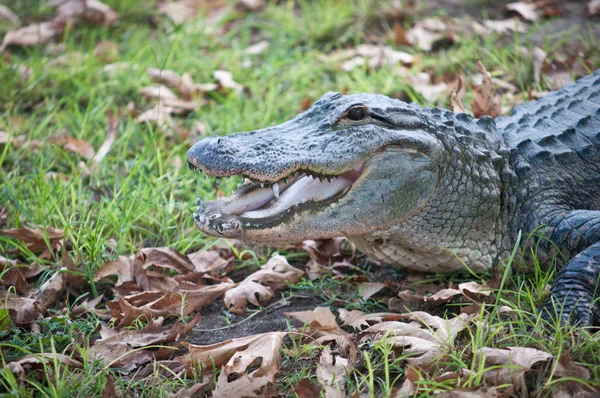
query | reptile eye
(357,113)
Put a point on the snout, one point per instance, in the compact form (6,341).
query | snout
(203,149)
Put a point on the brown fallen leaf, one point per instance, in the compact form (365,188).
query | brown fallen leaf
(331,374)
(486,102)
(159,92)
(15,274)
(184,84)
(160,115)
(90,11)
(321,318)
(128,309)
(124,348)
(111,135)
(37,239)
(52,289)
(423,85)
(32,35)
(593,8)
(525,10)
(177,11)
(510,364)
(260,286)
(241,386)
(72,144)
(250,5)
(210,262)
(429,32)
(225,80)
(257,48)
(38,361)
(7,14)
(368,289)
(254,360)
(506,25)
(455,98)
(121,267)
(305,389)
(359,320)
(22,311)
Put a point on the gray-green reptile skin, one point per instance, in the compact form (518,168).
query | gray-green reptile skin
(441,189)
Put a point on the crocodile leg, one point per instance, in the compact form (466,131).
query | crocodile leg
(575,293)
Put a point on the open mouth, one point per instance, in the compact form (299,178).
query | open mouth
(255,203)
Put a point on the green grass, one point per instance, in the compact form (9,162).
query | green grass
(142,193)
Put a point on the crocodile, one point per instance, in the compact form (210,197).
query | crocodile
(426,188)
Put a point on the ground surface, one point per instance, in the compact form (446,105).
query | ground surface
(88,84)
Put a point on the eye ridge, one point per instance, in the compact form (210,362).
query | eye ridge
(357,113)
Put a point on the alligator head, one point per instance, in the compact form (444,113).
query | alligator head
(352,165)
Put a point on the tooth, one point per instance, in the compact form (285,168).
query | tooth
(246,180)
(285,180)
(328,179)
(262,184)
(275,190)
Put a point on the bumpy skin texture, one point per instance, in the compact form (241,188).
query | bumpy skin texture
(441,190)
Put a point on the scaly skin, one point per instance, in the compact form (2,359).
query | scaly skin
(438,190)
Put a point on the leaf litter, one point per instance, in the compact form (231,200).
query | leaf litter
(161,289)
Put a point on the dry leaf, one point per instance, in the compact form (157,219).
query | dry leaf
(111,136)
(7,14)
(455,98)
(159,114)
(210,262)
(485,100)
(52,289)
(184,84)
(122,348)
(321,318)
(250,5)
(225,80)
(239,357)
(121,267)
(516,361)
(525,10)
(429,32)
(305,389)
(257,48)
(32,35)
(148,305)
(445,329)
(38,239)
(423,85)
(331,372)
(358,319)
(259,286)
(593,8)
(4,137)
(367,289)
(177,11)
(91,11)
(23,311)
(72,144)
(506,26)
(158,91)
